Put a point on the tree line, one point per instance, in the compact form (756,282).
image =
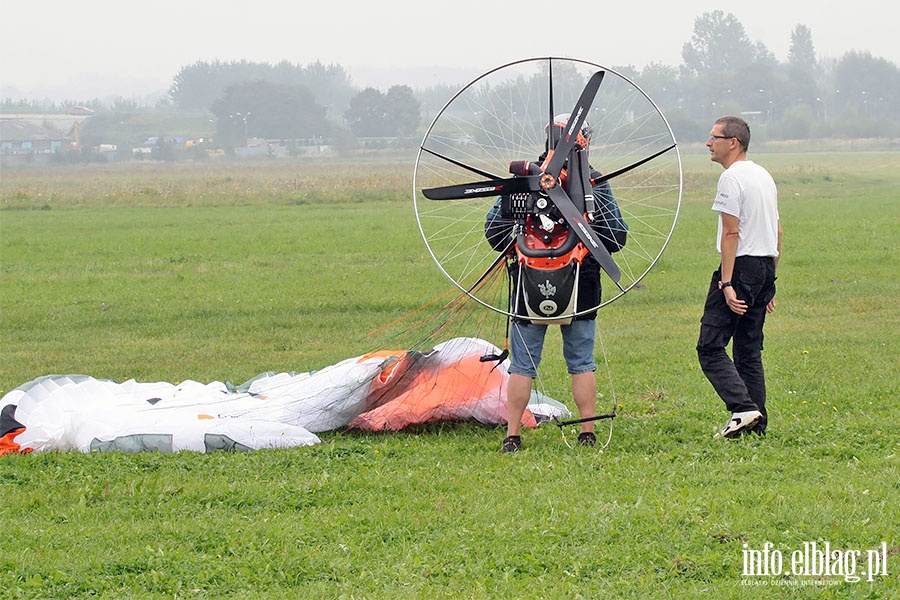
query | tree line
(722,72)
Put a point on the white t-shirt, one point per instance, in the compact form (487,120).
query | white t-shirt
(747,191)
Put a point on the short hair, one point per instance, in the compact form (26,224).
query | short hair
(737,128)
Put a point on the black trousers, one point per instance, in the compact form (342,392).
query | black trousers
(740,381)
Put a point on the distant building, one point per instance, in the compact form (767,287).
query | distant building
(19,136)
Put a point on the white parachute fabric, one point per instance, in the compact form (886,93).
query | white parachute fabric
(386,390)
(318,401)
(84,414)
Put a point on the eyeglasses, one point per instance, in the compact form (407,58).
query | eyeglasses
(719,137)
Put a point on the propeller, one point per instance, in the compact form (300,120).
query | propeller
(548,181)
(553,167)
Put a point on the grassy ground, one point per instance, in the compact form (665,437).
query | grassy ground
(221,272)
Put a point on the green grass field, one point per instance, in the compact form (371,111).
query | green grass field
(222,271)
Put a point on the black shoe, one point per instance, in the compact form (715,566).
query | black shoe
(512,443)
(586,438)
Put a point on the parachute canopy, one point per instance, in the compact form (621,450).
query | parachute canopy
(381,391)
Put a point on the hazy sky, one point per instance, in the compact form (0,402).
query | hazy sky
(81,49)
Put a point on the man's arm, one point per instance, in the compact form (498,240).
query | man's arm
(779,245)
(729,244)
(770,307)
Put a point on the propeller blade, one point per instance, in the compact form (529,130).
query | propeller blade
(552,138)
(582,229)
(479,189)
(618,172)
(484,174)
(573,127)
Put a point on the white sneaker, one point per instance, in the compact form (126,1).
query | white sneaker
(740,421)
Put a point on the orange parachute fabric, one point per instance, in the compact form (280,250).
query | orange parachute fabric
(468,389)
(8,444)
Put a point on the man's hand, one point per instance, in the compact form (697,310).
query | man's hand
(736,305)
(770,307)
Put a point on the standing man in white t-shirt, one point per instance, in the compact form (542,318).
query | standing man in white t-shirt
(742,290)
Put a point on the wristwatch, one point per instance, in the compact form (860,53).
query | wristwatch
(725,284)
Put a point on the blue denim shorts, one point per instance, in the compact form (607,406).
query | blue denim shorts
(527,342)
